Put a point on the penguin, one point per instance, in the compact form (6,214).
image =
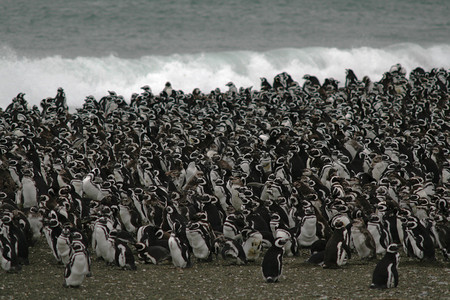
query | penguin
(252,243)
(129,217)
(265,85)
(91,189)
(77,268)
(51,231)
(215,214)
(102,243)
(350,78)
(291,245)
(277,85)
(63,245)
(233,225)
(363,240)
(308,228)
(151,235)
(200,240)
(16,237)
(29,189)
(152,254)
(272,264)
(35,220)
(231,249)
(123,255)
(418,239)
(443,236)
(179,251)
(8,259)
(385,274)
(317,250)
(168,90)
(232,90)
(337,249)
(379,233)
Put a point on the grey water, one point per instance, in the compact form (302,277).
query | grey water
(134,28)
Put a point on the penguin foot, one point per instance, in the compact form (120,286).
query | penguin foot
(330,266)
(272,279)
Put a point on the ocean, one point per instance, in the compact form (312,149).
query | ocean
(92,47)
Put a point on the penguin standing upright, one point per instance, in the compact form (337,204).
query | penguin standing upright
(29,189)
(200,237)
(265,85)
(379,233)
(308,228)
(123,255)
(418,239)
(272,264)
(8,256)
(385,274)
(78,266)
(363,240)
(179,247)
(52,230)
(16,237)
(337,249)
(179,251)
(63,245)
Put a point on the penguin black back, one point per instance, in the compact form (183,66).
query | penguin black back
(385,274)
(272,264)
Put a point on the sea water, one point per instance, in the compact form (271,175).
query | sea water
(92,47)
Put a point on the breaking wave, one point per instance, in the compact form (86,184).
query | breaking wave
(39,78)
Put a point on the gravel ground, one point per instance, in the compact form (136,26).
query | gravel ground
(43,278)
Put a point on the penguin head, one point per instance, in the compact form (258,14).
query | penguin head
(140,246)
(392,248)
(280,242)
(7,218)
(338,224)
(411,224)
(76,247)
(77,236)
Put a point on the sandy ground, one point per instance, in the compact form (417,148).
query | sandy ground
(43,278)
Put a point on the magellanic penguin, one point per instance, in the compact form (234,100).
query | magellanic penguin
(363,240)
(385,274)
(78,266)
(337,249)
(8,257)
(252,243)
(418,239)
(272,264)
(63,245)
(200,240)
(179,251)
(152,254)
(230,250)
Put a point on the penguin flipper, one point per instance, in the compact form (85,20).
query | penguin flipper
(67,271)
(347,249)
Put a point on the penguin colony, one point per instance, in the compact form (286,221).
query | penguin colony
(243,175)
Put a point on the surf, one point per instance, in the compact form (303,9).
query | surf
(39,78)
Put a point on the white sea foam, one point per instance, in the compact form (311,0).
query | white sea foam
(39,78)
